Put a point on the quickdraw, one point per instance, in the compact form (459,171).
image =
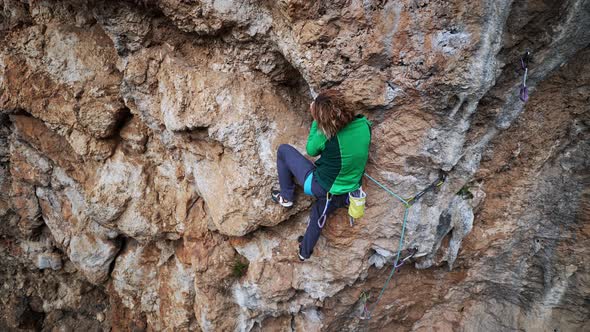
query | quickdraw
(411,253)
(324,216)
(442,177)
(364,298)
(524,63)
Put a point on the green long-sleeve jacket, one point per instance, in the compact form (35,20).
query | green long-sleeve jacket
(343,157)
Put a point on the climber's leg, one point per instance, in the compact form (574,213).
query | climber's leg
(291,163)
(312,233)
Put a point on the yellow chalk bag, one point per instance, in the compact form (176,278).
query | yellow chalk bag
(356,206)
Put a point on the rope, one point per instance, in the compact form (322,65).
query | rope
(407,204)
(400,247)
(394,268)
(388,190)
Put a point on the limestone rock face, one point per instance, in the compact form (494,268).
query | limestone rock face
(138,150)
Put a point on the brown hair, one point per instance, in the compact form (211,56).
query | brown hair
(330,112)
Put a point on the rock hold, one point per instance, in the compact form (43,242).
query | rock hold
(49,260)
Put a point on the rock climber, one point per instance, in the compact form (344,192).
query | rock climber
(342,138)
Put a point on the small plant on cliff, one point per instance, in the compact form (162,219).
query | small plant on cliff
(239,268)
(465,192)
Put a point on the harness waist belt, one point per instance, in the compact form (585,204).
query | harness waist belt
(307,184)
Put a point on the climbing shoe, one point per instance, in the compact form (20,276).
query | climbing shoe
(301,258)
(276,196)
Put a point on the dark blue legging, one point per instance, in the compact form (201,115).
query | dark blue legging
(291,163)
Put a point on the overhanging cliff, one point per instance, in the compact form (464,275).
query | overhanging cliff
(138,145)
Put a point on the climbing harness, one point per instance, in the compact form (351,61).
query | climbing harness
(398,263)
(524,90)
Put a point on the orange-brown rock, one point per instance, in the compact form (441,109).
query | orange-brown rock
(137,154)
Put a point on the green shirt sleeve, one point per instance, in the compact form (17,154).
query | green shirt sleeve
(316,141)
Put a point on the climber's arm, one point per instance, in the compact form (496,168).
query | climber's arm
(316,140)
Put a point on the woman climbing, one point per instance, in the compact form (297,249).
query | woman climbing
(343,141)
